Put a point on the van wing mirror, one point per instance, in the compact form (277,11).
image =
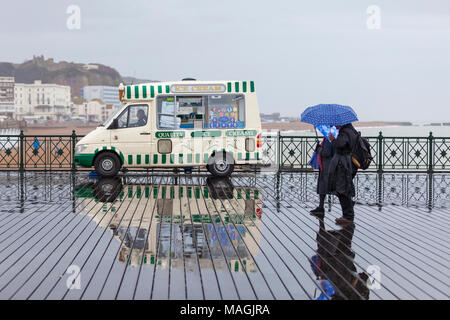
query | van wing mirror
(114,124)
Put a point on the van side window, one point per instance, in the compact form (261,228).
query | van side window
(133,116)
(225,111)
(137,116)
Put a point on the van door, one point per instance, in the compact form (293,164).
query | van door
(133,135)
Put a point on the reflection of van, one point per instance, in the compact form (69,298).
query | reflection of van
(178,124)
(156,221)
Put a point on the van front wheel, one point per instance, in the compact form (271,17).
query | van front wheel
(221,164)
(107,164)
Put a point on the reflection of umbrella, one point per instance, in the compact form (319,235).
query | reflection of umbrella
(329,114)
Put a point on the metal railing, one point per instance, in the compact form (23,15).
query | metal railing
(423,154)
(280,152)
(38,152)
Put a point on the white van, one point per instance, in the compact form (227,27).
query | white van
(178,124)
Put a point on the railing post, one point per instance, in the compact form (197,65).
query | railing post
(74,142)
(430,153)
(279,150)
(22,167)
(380,152)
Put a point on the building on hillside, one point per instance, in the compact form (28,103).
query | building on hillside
(92,111)
(7,109)
(90,67)
(42,101)
(108,94)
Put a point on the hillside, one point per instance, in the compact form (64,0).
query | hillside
(75,75)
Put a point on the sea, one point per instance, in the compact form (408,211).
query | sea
(390,131)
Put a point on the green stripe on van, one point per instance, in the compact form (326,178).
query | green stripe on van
(189,158)
(136,92)
(236,86)
(128,92)
(252,86)
(144,92)
(155,159)
(172,158)
(244,86)
(138,159)
(167,89)
(152,91)
(229,87)
(180,158)
(159,89)
(147,159)
(130,159)
(163,159)
(205,158)
(197,157)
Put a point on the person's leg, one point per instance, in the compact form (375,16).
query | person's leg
(347,206)
(322,200)
(320,209)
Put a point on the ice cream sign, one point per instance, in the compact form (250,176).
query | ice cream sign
(198,88)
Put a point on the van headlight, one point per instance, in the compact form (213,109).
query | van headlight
(80,148)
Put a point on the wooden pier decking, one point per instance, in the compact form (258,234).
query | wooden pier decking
(193,237)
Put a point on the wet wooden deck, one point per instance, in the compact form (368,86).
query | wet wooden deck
(250,237)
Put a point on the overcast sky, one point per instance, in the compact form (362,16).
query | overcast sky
(299,53)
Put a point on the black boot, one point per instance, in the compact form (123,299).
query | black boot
(319,211)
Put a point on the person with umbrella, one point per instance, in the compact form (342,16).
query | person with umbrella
(341,170)
(325,153)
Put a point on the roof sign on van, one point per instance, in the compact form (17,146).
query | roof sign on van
(147,91)
(194,88)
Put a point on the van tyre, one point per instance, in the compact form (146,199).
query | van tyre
(107,164)
(220,165)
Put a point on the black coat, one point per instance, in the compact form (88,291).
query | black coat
(326,153)
(341,170)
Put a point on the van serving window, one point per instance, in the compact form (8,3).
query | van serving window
(197,112)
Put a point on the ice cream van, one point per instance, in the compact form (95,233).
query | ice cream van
(188,123)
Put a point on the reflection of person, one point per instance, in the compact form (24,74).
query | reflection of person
(334,263)
(142,119)
(342,171)
(325,153)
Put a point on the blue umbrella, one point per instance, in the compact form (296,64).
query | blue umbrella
(329,114)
